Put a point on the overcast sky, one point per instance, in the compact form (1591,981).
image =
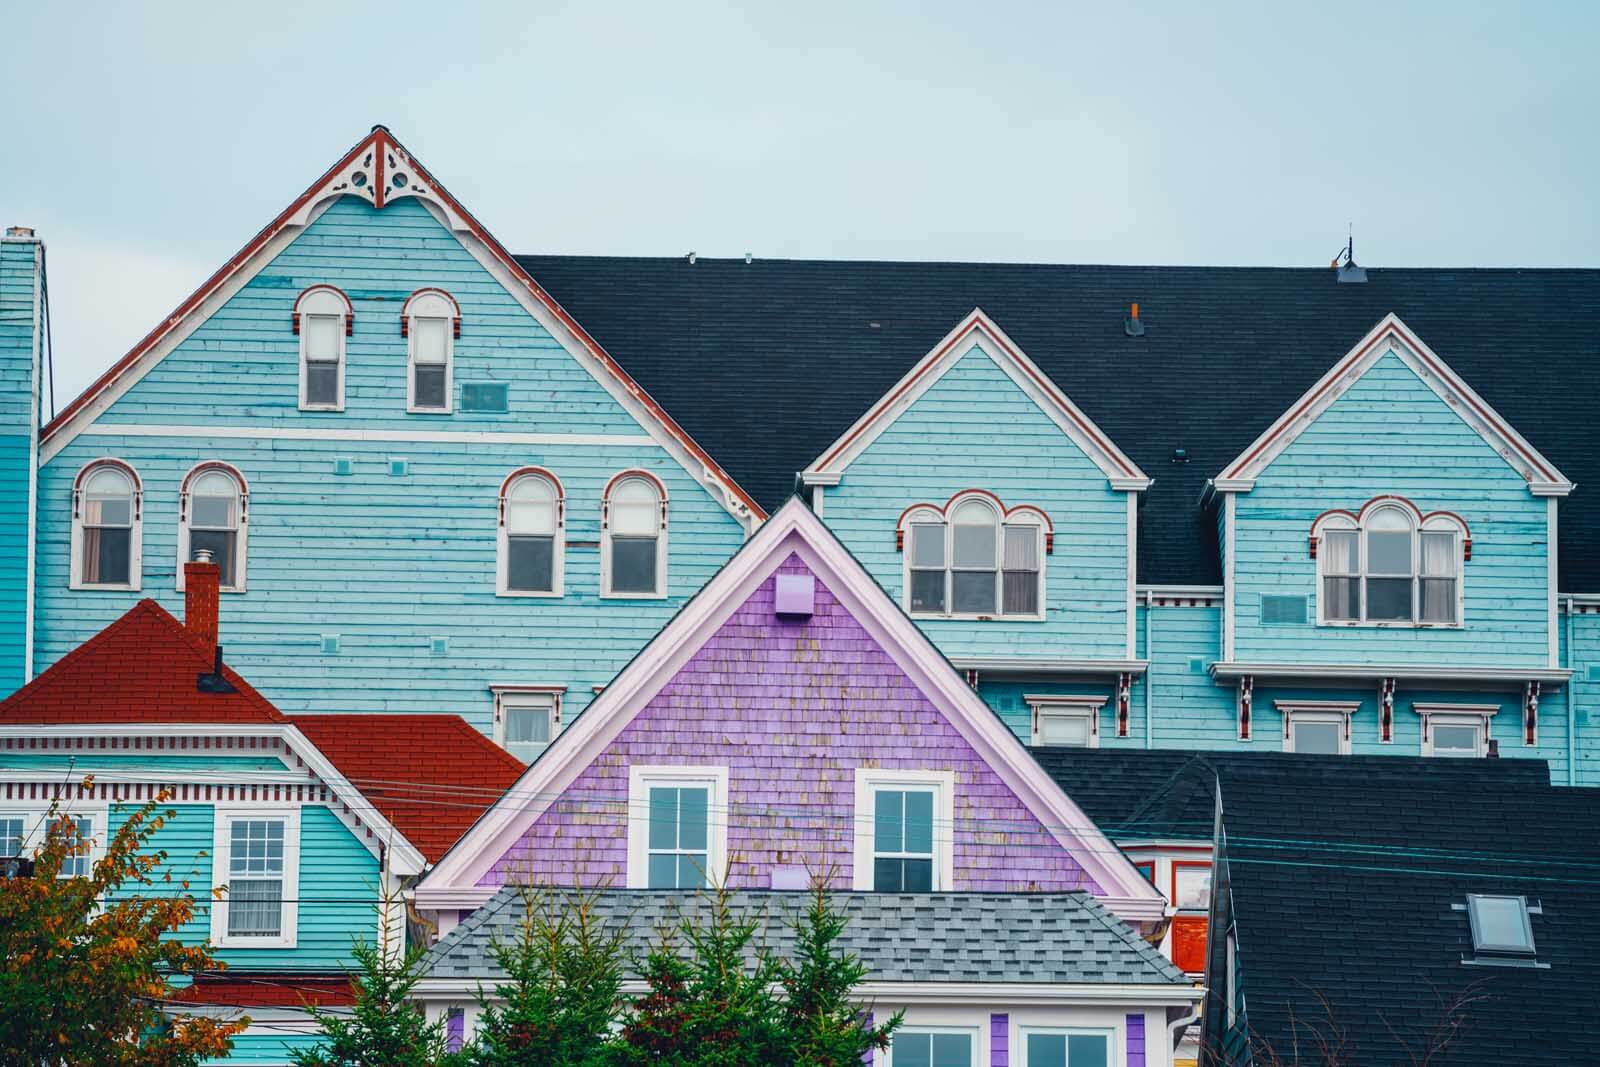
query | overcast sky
(146,143)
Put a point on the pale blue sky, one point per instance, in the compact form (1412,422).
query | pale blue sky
(147,144)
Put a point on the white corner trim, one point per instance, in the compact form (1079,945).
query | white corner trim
(1552,557)
(1229,584)
(35,402)
(1393,335)
(972,332)
(794,529)
(1133,575)
(864,836)
(644,777)
(224,815)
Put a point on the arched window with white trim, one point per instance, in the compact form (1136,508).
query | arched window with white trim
(323,318)
(973,558)
(532,534)
(107,527)
(431,321)
(633,536)
(1390,565)
(214,517)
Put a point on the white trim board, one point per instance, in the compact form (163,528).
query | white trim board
(1392,335)
(972,332)
(320,433)
(794,530)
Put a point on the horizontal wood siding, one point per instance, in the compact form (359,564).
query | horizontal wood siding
(387,562)
(19,316)
(1391,434)
(263,1046)
(1583,656)
(1189,709)
(975,429)
(338,890)
(212,767)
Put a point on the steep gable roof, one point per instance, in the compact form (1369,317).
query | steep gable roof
(788,354)
(430,775)
(378,170)
(793,532)
(140,669)
(1386,857)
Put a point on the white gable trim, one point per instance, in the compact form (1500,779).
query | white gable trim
(1391,334)
(453,882)
(977,330)
(380,163)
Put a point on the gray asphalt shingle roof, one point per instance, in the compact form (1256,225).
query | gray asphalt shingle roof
(1056,938)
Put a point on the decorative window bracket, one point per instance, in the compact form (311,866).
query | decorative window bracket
(1386,711)
(972,679)
(1530,713)
(1124,684)
(1246,694)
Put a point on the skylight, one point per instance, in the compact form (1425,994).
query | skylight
(1500,925)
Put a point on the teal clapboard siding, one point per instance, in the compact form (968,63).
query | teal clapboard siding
(19,325)
(1391,434)
(976,429)
(1583,656)
(385,557)
(268,1044)
(338,891)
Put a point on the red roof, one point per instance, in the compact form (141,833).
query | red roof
(267,991)
(430,775)
(141,668)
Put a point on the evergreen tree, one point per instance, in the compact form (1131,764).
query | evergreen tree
(822,1025)
(384,1029)
(659,1024)
(563,988)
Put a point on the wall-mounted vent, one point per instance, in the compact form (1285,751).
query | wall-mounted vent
(330,644)
(1279,610)
(438,646)
(795,596)
(1594,672)
(484,396)
(343,466)
(1197,665)
(398,467)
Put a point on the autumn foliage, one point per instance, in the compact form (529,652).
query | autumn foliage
(85,962)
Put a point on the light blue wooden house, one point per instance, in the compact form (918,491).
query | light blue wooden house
(428,488)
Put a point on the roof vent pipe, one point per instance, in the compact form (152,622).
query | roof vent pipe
(1347,271)
(1132,326)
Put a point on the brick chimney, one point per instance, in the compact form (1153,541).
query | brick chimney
(201,582)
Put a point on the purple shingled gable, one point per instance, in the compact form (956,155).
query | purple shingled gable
(791,706)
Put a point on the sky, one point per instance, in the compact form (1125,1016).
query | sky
(147,143)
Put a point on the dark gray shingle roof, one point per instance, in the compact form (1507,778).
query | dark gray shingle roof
(1058,938)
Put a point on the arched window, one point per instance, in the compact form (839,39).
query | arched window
(323,318)
(1390,565)
(214,516)
(532,529)
(432,321)
(975,558)
(107,526)
(633,536)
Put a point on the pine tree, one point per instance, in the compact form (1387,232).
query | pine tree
(563,988)
(822,1025)
(658,1027)
(384,1029)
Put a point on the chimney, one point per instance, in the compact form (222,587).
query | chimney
(201,581)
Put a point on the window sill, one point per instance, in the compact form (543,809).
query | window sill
(632,596)
(1356,624)
(236,942)
(974,618)
(528,594)
(331,408)
(85,587)
(429,411)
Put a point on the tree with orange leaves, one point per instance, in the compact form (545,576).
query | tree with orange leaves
(86,962)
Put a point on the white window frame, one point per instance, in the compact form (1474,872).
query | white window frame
(507,696)
(1047,706)
(33,817)
(224,816)
(558,549)
(1337,712)
(661,536)
(1025,1031)
(644,777)
(135,580)
(329,301)
(431,304)
(974,1034)
(1360,525)
(1231,978)
(1020,517)
(1477,715)
(242,534)
(943,785)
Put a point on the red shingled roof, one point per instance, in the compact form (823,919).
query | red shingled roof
(141,668)
(430,775)
(267,991)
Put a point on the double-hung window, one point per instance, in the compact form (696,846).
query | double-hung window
(213,516)
(432,321)
(257,859)
(677,826)
(79,861)
(904,825)
(970,559)
(526,718)
(1455,730)
(1067,1048)
(633,552)
(1390,565)
(323,318)
(107,521)
(23,834)
(1318,727)
(532,523)
(1068,721)
(915,1047)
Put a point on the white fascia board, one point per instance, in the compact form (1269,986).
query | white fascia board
(1017,665)
(794,530)
(1542,476)
(358,434)
(826,478)
(1365,672)
(1121,472)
